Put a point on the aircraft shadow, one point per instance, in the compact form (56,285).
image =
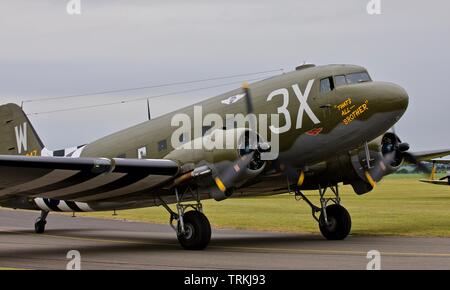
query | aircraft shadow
(100,242)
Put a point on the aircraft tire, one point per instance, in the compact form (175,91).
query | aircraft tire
(198,231)
(339,225)
(39,226)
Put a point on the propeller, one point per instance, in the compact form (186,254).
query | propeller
(403,150)
(393,153)
(249,153)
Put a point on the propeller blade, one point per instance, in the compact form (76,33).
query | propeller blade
(250,115)
(421,166)
(230,175)
(148,110)
(248,97)
(403,147)
(393,130)
(381,167)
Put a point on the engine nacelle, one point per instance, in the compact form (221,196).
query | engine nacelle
(384,157)
(359,167)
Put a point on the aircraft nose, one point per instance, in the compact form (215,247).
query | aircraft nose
(392,97)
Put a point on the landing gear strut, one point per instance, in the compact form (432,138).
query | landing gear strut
(39,225)
(193,228)
(334,220)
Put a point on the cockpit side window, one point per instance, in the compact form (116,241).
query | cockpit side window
(340,81)
(326,85)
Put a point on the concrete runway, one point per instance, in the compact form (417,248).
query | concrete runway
(109,244)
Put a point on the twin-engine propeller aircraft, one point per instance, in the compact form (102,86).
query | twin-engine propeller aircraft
(327,125)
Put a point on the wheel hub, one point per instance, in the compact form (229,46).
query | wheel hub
(188,231)
(331,224)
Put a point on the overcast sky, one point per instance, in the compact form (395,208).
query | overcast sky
(44,52)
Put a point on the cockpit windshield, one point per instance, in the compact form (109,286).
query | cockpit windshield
(357,78)
(330,83)
(353,78)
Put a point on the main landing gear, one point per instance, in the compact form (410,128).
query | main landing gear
(192,228)
(334,220)
(39,225)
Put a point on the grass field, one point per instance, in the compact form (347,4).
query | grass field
(399,205)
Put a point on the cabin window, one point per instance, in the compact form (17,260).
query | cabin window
(59,153)
(184,138)
(340,81)
(326,85)
(205,130)
(357,78)
(162,145)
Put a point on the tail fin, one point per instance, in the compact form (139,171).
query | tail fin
(17,135)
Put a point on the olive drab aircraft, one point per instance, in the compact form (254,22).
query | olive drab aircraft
(314,128)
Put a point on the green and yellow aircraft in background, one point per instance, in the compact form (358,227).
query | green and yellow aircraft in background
(309,129)
(433,175)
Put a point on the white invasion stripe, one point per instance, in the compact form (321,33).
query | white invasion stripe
(64,207)
(77,152)
(41,204)
(83,206)
(48,179)
(67,151)
(46,153)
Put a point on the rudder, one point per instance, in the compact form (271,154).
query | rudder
(17,135)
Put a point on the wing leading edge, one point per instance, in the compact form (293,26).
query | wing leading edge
(94,165)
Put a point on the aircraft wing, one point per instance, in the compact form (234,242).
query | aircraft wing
(80,178)
(439,161)
(438,182)
(428,155)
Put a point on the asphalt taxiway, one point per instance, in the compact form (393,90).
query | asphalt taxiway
(116,244)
